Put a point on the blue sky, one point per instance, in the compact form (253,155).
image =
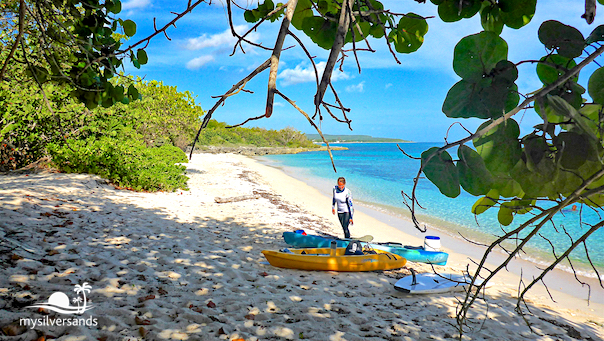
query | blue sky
(386,99)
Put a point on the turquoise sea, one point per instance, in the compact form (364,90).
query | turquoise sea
(376,173)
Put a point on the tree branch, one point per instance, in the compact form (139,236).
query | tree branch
(272,78)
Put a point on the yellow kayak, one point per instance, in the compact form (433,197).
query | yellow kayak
(321,259)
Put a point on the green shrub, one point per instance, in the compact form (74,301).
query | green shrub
(127,163)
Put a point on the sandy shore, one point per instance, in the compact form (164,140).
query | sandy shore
(161,266)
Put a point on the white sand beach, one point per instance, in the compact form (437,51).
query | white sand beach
(180,266)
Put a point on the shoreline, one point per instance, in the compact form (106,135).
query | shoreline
(181,265)
(562,280)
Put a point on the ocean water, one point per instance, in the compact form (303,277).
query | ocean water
(376,173)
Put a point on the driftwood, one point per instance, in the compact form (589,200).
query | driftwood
(222,200)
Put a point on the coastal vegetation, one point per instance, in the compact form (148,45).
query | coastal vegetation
(352,138)
(557,164)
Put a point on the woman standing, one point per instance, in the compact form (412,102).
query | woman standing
(342,201)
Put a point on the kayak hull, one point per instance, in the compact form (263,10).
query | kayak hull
(412,254)
(320,259)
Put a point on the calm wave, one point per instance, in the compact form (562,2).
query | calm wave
(378,172)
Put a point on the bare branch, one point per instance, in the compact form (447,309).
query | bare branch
(272,78)
(312,123)
(235,87)
(335,51)
(189,8)
(17,39)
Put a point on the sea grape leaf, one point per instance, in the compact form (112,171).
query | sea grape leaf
(596,35)
(441,171)
(303,11)
(552,67)
(476,55)
(129,27)
(499,147)
(595,86)
(322,32)
(409,35)
(486,202)
(490,19)
(484,99)
(474,177)
(507,187)
(567,40)
(505,215)
(455,10)
(573,149)
(567,182)
(517,13)
(534,184)
(141,56)
(563,108)
(595,200)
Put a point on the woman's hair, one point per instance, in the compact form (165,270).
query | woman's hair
(342,180)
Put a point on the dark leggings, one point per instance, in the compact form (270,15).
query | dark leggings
(345,221)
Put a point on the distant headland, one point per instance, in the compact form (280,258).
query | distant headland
(352,138)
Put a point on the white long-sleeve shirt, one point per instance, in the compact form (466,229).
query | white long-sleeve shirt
(342,200)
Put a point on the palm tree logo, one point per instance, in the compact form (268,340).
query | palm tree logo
(84,288)
(60,303)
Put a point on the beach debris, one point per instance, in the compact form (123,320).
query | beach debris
(196,308)
(139,321)
(263,274)
(142,331)
(14,329)
(250,317)
(222,200)
(211,304)
(221,331)
(146,298)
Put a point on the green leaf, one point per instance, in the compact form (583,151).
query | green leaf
(566,40)
(552,67)
(563,108)
(114,6)
(141,55)
(596,35)
(573,149)
(484,99)
(303,11)
(129,27)
(486,202)
(455,10)
(517,13)
(441,171)
(249,16)
(499,147)
(505,215)
(133,92)
(595,86)
(474,177)
(476,55)
(321,31)
(490,19)
(409,34)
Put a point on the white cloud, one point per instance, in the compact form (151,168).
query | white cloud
(279,104)
(356,88)
(387,85)
(301,74)
(197,63)
(133,4)
(224,38)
